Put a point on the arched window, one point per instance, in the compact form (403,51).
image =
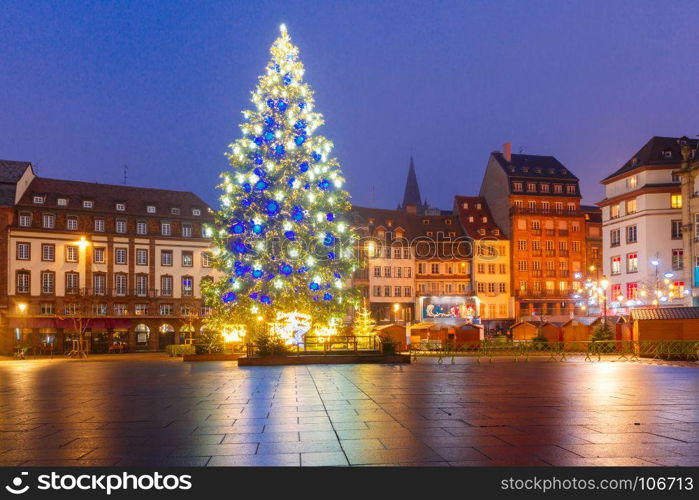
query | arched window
(142,333)
(166,328)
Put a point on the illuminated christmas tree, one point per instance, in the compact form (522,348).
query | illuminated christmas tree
(282,235)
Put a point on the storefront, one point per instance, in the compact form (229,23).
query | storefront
(448,308)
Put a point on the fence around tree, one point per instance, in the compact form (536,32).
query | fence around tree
(630,350)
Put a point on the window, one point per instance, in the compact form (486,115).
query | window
(632,263)
(120,226)
(71,253)
(397,291)
(559,206)
(531,187)
(576,246)
(407,291)
(206,259)
(166,286)
(406,253)
(544,188)
(25,220)
(421,268)
(408,272)
(397,253)
(491,268)
(434,268)
(166,309)
(575,227)
(186,230)
(676,201)
(502,269)
(398,271)
(141,309)
(632,182)
(631,206)
(616,265)
(632,234)
(48,282)
(536,225)
(570,188)
(99,283)
(120,207)
(120,255)
(614,211)
(615,237)
(522,265)
(558,188)
(141,257)
(387,291)
(99,225)
(141,227)
(616,291)
(121,309)
(517,186)
(523,286)
(631,291)
(196,212)
(141,285)
(48,252)
(72,223)
(22,282)
(72,283)
(48,221)
(187,286)
(98,255)
(47,308)
(38,200)
(531,205)
(120,283)
(677,259)
(522,244)
(24,251)
(377,291)
(502,287)
(175,211)
(165,228)
(679,287)
(188,259)
(377,271)
(676,229)
(88,204)
(150,209)
(545,206)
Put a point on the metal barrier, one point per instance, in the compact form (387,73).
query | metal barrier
(620,350)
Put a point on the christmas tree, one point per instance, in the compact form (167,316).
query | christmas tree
(282,236)
(364,324)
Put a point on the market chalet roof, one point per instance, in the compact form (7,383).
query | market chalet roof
(475,217)
(105,197)
(657,152)
(665,313)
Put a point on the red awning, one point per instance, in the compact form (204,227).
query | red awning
(70,324)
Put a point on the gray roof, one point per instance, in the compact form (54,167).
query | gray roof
(10,173)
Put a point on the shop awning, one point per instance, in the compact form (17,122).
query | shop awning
(70,324)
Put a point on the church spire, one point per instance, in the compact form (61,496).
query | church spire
(411,195)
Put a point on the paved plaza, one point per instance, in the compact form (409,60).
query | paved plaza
(162,412)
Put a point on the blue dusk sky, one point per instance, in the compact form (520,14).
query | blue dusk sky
(87,87)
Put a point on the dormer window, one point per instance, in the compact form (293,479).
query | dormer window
(485,220)
(537,170)
(470,218)
(174,211)
(120,207)
(150,209)
(429,233)
(570,189)
(551,171)
(481,231)
(196,212)
(667,154)
(517,186)
(496,231)
(478,206)
(62,202)
(531,187)
(447,222)
(371,221)
(564,171)
(544,188)
(38,200)
(389,223)
(425,221)
(558,188)
(464,205)
(452,234)
(525,169)
(88,204)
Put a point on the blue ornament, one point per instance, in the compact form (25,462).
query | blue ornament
(258,140)
(238,247)
(327,296)
(277,68)
(303,167)
(287,79)
(257,273)
(286,269)
(300,139)
(329,240)
(316,156)
(257,228)
(261,185)
(290,235)
(245,202)
(331,255)
(272,207)
(302,269)
(265,299)
(247,187)
(253,295)
(306,186)
(259,172)
(300,125)
(314,286)
(270,103)
(282,105)
(269,121)
(337,275)
(258,160)
(302,104)
(228,297)
(269,135)
(237,227)
(330,217)
(290,182)
(324,184)
(297,214)
(279,150)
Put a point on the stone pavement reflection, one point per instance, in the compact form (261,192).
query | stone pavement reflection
(164,412)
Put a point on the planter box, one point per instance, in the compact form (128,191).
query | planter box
(211,357)
(331,359)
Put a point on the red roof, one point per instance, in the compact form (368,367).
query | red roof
(476,208)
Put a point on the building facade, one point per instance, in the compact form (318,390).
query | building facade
(124,264)
(490,263)
(643,227)
(535,201)
(689,179)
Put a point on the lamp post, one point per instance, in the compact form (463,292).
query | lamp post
(604,284)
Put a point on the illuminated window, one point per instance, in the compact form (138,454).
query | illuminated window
(676,201)
(632,263)
(616,265)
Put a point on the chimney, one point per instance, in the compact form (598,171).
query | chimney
(507,151)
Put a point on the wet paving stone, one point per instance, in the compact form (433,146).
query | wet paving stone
(161,412)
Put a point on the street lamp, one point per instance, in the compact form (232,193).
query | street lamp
(396,308)
(604,283)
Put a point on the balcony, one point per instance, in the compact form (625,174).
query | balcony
(562,232)
(536,253)
(550,253)
(541,211)
(119,292)
(563,253)
(542,294)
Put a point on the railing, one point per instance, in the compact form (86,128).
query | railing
(628,350)
(542,211)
